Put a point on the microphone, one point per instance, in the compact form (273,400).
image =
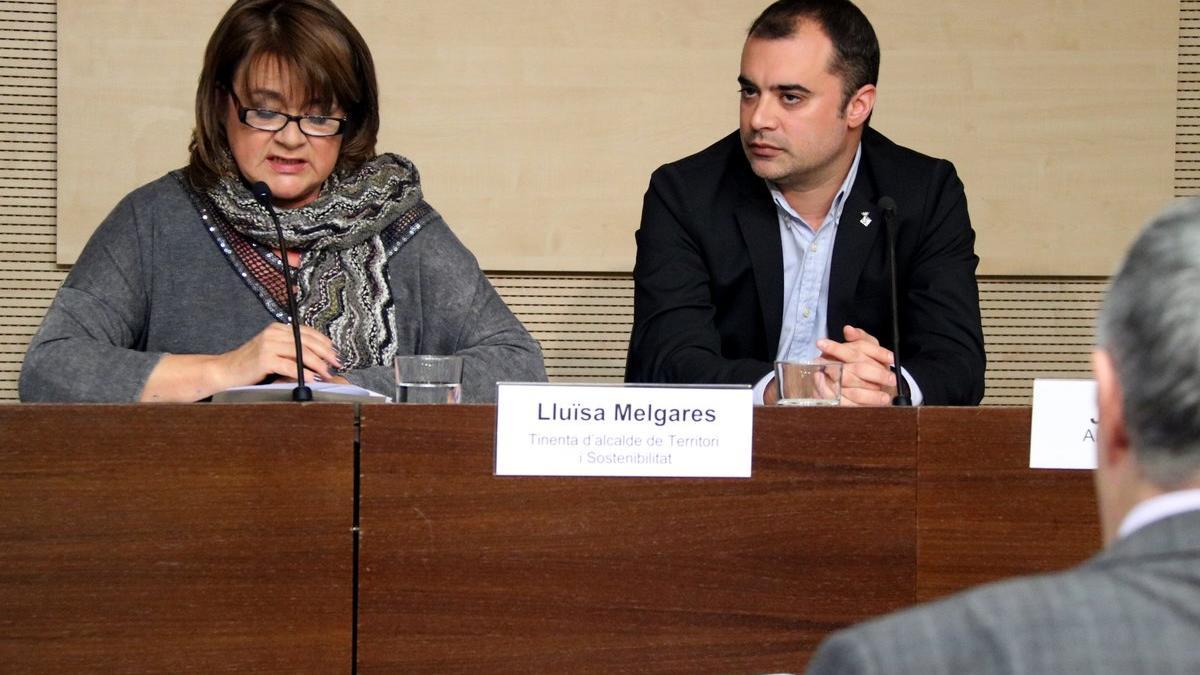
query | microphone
(888,206)
(262,193)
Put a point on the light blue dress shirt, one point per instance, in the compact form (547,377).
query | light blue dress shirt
(807,255)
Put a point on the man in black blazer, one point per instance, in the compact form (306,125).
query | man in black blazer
(798,187)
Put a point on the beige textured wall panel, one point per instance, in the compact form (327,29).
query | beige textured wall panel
(127,84)
(1060,117)
(536,125)
(28,275)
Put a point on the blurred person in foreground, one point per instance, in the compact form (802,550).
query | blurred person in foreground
(180,294)
(1135,607)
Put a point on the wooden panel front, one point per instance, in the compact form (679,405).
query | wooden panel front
(198,538)
(464,571)
(983,513)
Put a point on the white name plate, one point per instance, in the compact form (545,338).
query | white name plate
(1063,435)
(613,430)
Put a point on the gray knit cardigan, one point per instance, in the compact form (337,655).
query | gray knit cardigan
(153,281)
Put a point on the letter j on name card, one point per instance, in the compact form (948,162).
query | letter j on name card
(630,430)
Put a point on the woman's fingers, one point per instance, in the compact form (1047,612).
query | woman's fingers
(273,352)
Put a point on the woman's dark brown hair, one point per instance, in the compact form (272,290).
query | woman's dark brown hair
(324,55)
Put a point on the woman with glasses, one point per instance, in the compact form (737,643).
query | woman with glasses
(181,291)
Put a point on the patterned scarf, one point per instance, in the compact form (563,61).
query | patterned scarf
(343,280)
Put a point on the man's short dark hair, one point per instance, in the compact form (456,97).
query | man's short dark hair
(856,49)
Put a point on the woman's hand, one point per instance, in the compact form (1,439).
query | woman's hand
(273,352)
(191,377)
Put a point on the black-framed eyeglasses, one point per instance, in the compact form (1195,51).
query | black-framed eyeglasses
(273,120)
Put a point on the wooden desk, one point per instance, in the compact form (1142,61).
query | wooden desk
(983,514)
(461,570)
(176,538)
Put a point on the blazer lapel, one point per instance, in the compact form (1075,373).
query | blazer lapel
(759,224)
(850,249)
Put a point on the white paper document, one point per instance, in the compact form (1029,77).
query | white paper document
(1063,432)
(282,391)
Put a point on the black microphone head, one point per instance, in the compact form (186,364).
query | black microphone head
(887,204)
(262,192)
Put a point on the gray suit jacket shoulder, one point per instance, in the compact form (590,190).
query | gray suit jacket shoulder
(1134,608)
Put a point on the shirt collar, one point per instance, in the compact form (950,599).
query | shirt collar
(1157,508)
(839,200)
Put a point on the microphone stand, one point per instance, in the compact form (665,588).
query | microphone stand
(889,223)
(262,193)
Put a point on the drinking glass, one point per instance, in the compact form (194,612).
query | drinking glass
(428,379)
(809,383)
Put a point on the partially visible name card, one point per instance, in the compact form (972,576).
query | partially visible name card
(1063,432)
(612,430)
